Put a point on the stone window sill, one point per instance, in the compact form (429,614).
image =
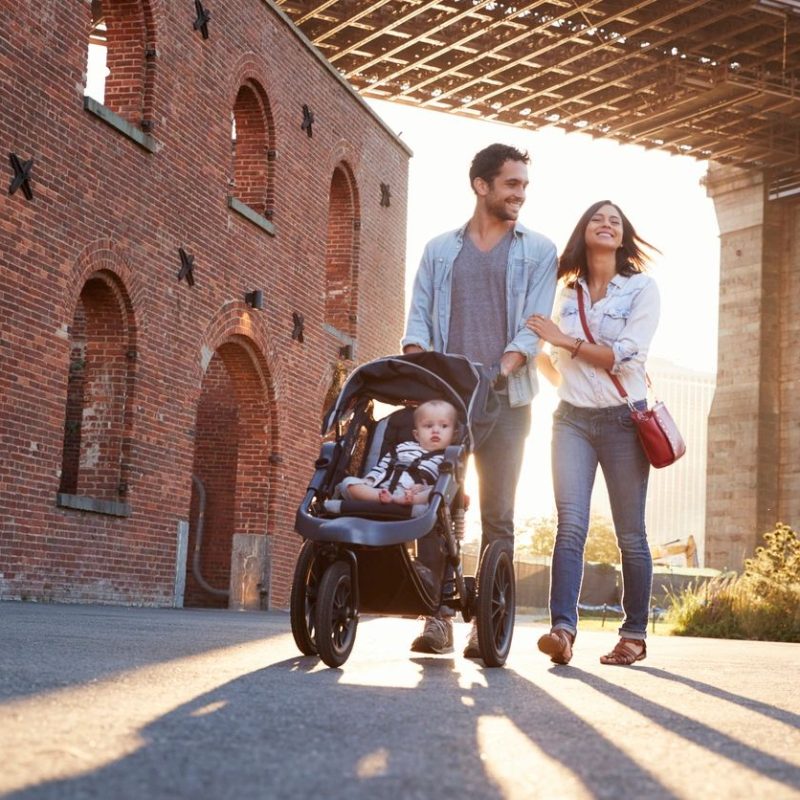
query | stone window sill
(113,119)
(253,216)
(347,349)
(81,502)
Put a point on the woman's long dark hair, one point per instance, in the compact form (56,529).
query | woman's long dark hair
(631,258)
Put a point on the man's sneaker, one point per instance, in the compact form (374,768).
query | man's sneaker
(437,636)
(472,650)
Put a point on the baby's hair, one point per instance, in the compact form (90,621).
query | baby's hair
(435,403)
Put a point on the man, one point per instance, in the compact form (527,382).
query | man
(473,291)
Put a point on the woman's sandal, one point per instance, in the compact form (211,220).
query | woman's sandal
(626,652)
(558,645)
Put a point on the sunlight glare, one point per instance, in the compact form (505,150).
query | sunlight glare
(504,747)
(373,765)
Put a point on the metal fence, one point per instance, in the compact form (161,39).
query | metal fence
(602,583)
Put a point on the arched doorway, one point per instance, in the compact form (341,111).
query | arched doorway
(230,473)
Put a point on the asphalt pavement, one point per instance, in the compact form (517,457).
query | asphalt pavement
(130,703)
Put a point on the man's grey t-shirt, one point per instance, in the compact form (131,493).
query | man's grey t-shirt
(478,325)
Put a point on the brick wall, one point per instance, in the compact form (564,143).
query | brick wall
(753,479)
(93,318)
(789,387)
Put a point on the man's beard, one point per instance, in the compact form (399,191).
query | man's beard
(499,209)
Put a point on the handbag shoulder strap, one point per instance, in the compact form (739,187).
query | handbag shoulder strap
(589,338)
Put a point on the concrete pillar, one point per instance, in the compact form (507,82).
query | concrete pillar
(789,486)
(249,585)
(744,428)
(181,549)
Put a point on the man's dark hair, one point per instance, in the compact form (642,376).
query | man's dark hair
(489,161)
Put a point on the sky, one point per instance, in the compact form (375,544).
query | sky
(661,194)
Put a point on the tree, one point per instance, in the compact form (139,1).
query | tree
(537,536)
(601,544)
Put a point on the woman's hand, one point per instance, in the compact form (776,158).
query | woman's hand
(548,331)
(599,355)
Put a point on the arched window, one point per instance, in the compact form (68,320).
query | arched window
(252,184)
(100,381)
(341,254)
(120,63)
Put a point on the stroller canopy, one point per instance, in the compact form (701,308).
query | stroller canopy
(417,377)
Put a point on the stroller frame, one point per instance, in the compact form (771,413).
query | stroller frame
(358,561)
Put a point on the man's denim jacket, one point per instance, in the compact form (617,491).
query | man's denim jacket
(530,289)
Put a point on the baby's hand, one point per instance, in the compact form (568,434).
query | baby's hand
(385,496)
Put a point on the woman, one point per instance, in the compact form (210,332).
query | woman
(604,261)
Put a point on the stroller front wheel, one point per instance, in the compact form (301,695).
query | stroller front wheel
(496,606)
(335,615)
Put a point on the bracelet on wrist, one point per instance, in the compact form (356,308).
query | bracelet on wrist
(575,347)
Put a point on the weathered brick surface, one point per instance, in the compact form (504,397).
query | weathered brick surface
(753,475)
(98,245)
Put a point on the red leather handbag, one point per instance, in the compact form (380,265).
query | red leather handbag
(661,440)
(659,435)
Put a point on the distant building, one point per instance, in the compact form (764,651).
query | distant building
(676,501)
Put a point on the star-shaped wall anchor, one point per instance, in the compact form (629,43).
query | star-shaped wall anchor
(22,173)
(187,267)
(203,16)
(308,121)
(298,324)
(386,195)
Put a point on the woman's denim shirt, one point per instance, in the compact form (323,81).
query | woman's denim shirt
(530,289)
(624,320)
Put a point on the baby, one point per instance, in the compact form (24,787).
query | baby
(406,474)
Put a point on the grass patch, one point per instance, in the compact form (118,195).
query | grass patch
(763,603)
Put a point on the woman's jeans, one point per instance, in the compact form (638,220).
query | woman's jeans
(582,439)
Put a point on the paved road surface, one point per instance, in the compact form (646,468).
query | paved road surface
(130,703)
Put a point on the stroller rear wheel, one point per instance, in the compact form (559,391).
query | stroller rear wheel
(302,603)
(496,604)
(335,615)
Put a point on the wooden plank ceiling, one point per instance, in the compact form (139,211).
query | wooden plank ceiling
(713,79)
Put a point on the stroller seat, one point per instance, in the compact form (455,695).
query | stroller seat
(389,431)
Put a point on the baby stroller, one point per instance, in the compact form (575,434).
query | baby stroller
(389,559)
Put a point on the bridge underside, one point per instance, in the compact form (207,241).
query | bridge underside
(715,79)
(718,80)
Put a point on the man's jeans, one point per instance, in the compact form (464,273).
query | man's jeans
(582,438)
(498,462)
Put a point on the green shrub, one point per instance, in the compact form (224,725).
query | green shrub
(762,603)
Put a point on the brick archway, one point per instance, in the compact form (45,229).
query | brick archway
(100,390)
(231,467)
